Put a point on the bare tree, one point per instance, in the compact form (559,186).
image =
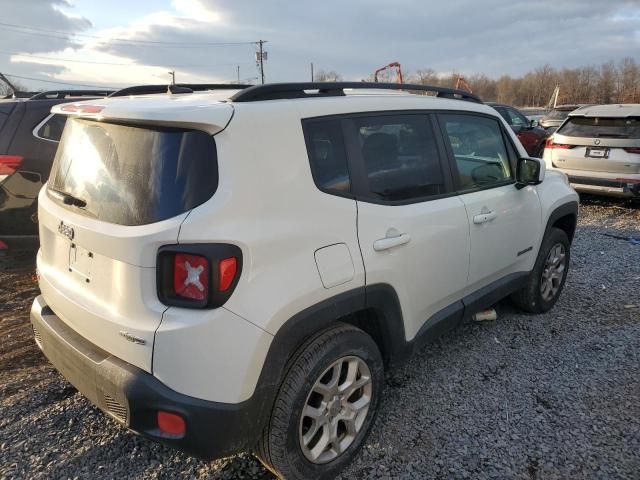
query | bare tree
(330,76)
(5,89)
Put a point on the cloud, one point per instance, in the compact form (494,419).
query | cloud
(353,38)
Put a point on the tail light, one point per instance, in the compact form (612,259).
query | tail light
(550,144)
(198,275)
(9,164)
(633,150)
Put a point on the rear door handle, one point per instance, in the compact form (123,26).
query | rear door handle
(485,217)
(390,242)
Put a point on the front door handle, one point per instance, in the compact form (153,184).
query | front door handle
(485,217)
(390,242)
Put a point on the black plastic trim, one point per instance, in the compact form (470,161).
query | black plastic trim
(567,209)
(214,429)
(68,94)
(193,87)
(277,91)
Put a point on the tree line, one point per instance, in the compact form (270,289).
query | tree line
(611,82)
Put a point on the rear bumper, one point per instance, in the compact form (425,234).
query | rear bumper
(133,397)
(604,186)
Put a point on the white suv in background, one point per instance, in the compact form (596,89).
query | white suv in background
(598,147)
(233,270)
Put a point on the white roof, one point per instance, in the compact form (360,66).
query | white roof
(614,110)
(212,110)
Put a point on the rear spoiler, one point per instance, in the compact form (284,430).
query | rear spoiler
(211,118)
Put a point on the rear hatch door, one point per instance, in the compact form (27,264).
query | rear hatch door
(599,144)
(118,191)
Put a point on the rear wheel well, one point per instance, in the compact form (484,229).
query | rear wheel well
(371,322)
(567,224)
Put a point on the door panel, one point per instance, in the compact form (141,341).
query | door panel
(504,221)
(429,271)
(506,242)
(413,234)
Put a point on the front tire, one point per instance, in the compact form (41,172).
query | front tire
(548,276)
(325,406)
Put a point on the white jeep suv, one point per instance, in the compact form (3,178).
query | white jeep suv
(234,270)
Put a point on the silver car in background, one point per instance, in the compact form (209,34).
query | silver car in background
(552,120)
(598,147)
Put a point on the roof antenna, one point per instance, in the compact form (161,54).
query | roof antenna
(173,88)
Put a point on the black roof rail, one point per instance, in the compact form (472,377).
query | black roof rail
(62,94)
(274,91)
(15,95)
(177,88)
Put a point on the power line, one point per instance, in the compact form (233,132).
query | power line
(55,81)
(130,42)
(119,64)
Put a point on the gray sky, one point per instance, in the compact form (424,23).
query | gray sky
(74,41)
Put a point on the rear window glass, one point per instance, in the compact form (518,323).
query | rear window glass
(325,146)
(558,114)
(132,175)
(400,157)
(608,127)
(52,128)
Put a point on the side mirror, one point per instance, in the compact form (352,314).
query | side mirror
(528,172)
(533,123)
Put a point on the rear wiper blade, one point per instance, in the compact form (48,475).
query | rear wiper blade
(69,199)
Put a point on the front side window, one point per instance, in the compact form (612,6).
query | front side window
(479,150)
(400,157)
(325,147)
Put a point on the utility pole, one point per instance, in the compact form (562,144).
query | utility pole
(312,71)
(238,74)
(173,77)
(261,57)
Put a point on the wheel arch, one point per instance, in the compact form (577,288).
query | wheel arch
(374,309)
(564,217)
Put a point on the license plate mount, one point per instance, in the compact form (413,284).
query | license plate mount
(597,152)
(80,260)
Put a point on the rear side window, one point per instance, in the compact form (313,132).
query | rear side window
(605,127)
(325,146)
(479,149)
(52,128)
(400,157)
(133,175)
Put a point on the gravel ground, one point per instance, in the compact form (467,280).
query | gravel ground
(552,396)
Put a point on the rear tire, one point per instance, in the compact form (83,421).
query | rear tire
(325,406)
(548,276)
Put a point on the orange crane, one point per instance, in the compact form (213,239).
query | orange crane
(461,82)
(395,65)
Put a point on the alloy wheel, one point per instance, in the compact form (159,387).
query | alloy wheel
(553,272)
(335,409)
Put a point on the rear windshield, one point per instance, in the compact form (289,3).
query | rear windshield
(628,127)
(133,175)
(558,114)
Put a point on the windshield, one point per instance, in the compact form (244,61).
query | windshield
(133,175)
(628,127)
